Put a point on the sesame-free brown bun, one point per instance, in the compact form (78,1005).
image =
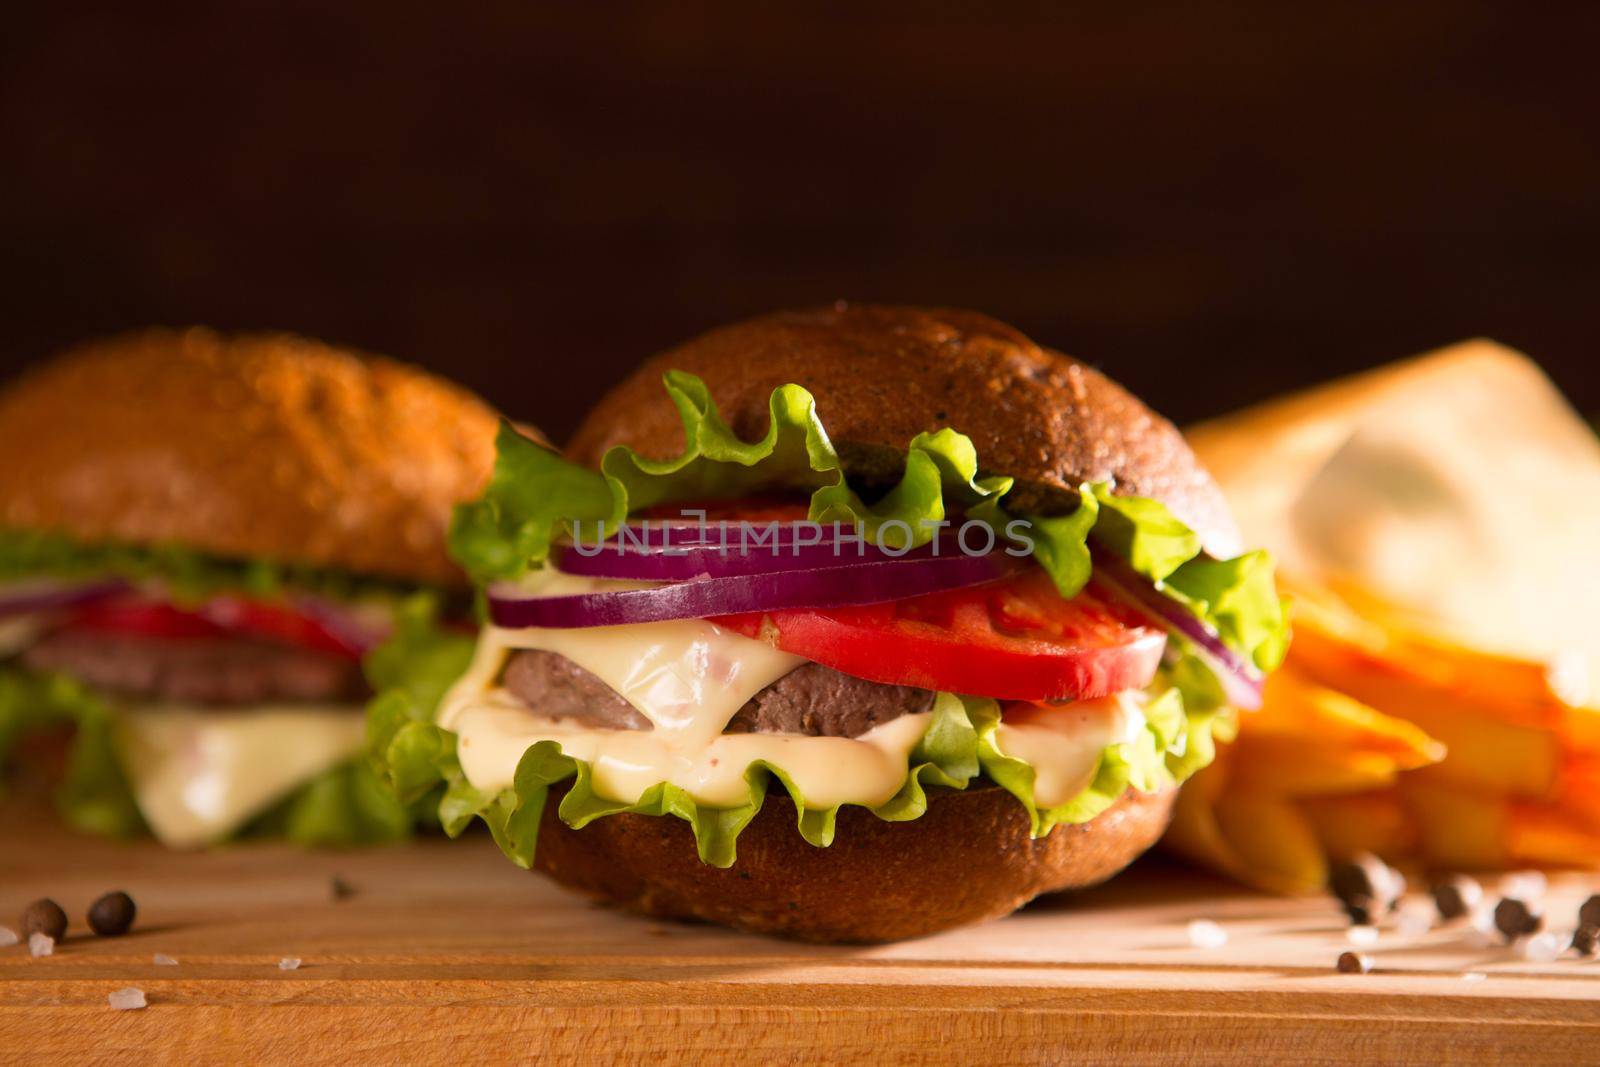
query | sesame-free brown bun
(968,859)
(257,446)
(882,375)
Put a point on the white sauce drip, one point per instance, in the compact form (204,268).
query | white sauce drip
(1063,744)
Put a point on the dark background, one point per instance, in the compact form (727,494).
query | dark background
(1213,203)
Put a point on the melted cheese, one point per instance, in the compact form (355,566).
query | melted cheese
(869,769)
(689,678)
(1063,744)
(199,774)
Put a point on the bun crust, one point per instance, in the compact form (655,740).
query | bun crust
(257,446)
(968,859)
(882,375)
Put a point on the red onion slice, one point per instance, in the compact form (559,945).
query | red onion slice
(32,597)
(1241,681)
(778,538)
(820,587)
(712,560)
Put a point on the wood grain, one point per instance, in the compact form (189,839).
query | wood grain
(447,954)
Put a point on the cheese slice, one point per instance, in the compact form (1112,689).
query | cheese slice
(199,774)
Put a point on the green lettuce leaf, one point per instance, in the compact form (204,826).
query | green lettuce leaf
(188,574)
(1239,599)
(342,807)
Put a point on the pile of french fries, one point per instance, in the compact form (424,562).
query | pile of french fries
(1382,733)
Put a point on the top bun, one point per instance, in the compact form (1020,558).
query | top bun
(257,446)
(882,375)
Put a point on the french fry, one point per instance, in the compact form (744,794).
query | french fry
(1296,708)
(1286,767)
(1457,829)
(1376,822)
(1549,837)
(1490,748)
(1260,813)
(1331,640)
(1488,755)
(1276,844)
(1194,831)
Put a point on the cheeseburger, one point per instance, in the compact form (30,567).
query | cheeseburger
(200,539)
(850,624)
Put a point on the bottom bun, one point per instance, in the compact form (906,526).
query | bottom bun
(968,859)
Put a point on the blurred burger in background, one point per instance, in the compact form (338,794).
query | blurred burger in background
(201,537)
(1437,524)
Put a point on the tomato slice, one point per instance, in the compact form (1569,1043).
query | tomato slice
(225,616)
(1014,639)
(138,615)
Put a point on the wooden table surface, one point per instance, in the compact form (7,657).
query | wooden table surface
(446,953)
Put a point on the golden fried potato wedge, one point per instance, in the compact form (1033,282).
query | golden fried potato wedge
(1376,822)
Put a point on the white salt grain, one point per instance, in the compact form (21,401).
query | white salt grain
(1203,933)
(164,960)
(129,999)
(1541,948)
(289,963)
(41,944)
(1524,885)
(1482,933)
(1473,976)
(1362,935)
(8,937)
(1412,922)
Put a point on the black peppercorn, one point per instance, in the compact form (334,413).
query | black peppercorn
(1354,963)
(1517,918)
(1456,896)
(112,914)
(44,917)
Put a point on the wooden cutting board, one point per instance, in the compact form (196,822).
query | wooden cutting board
(446,953)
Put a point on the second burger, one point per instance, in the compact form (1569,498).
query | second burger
(201,537)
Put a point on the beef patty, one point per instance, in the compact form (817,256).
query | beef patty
(561,689)
(812,699)
(222,671)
